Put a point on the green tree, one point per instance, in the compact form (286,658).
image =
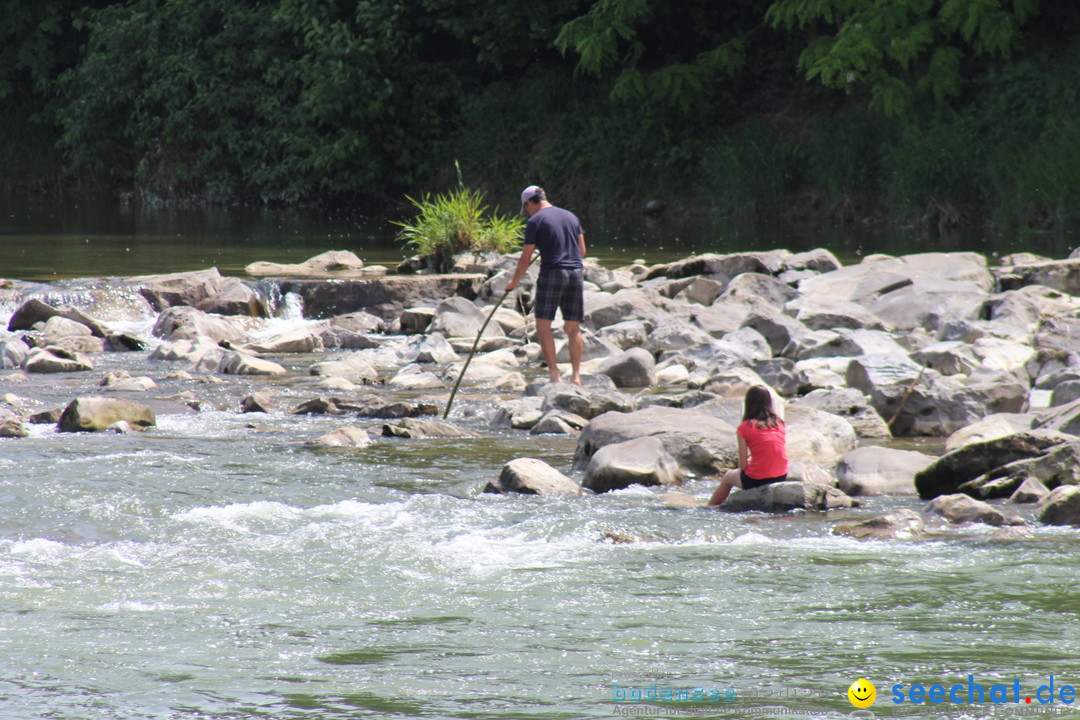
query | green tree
(901,50)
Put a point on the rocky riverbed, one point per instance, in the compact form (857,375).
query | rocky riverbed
(939,345)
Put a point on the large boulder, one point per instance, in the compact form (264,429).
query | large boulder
(787,496)
(458,317)
(300,340)
(418,429)
(851,405)
(187,323)
(641,461)
(92,414)
(872,470)
(234,298)
(343,437)
(531,476)
(352,366)
(1062,275)
(1060,465)
(13,352)
(240,363)
(54,359)
(634,368)
(903,524)
(587,401)
(331,264)
(960,508)
(174,289)
(946,474)
(1061,507)
(700,443)
(384,297)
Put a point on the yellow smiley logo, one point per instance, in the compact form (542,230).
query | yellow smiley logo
(862,693)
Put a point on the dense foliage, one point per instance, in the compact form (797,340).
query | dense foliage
(948,111)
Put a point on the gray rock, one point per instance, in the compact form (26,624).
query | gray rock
(625,335)
(13,353)
(632,368)
(531,476)
(331,264)
(352,366)
(787,496)
(175,289)
(641,461)
(1030,491)
(945,475)
(422,429)
(12,427)
(584,401)
(900,524)
(520,413)
(558,422)
(778,329)
(726,267)
(187,323)
(458,317)
(757,290)
(239,363)
(700,443)
(871,470)
(93,414)
(851,405)
(1060,465)
(991,427)
(348,437)
(54,359)
(261,401)
(1061,507)
(960,508)
(300,340)
(235,297)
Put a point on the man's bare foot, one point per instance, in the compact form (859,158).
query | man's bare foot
(576,380)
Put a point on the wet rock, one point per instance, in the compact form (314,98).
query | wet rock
(235,297)
(331,264)
(187,323)
(348,436)
(239,363)
(851,405)
(377,408)
(632,368)
(960,508)
(46,417)
(92,414)
(520,413)
(989,428)
(641,461)
(415,377)
(871,470)
(419,429)
(384,297)
(261,401)
(121,381)
(53,359)
(900,524)
(13,353)
(351,366)
(531,476)
(558,422)
(699,442)
(322,406)
(12,427)
(1030,491)
(301,340)
(787,496)
(1060,465)
(946,474)
(1061,507)
(178,289)
(417,320)
(458,317)
(30,313)
(584,401)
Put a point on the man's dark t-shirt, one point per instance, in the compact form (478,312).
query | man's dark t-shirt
(554,232)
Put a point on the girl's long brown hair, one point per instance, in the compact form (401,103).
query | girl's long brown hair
(758,407)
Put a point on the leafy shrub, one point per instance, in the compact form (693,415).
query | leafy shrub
(454,222)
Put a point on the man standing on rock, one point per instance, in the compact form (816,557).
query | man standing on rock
(557,234)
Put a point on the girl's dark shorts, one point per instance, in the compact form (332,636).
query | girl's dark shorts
(749,483)
(560,289)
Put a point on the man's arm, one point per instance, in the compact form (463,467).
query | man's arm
(581,244)
(523,265)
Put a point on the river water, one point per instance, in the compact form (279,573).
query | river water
(214,567)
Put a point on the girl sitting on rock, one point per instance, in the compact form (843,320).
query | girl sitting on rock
(762,447)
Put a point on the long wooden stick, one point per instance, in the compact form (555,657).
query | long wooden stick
(476,342)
